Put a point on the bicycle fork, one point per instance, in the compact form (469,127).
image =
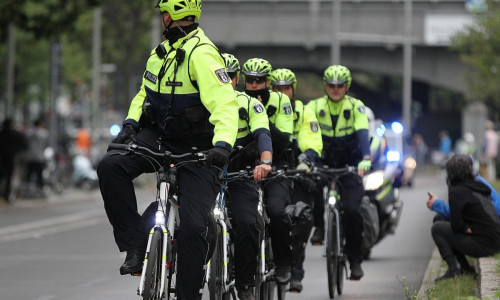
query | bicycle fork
(160,224)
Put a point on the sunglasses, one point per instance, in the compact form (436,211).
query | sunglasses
(339,86)
(257,80)
(231,75)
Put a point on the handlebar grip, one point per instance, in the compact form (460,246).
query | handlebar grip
(114,146)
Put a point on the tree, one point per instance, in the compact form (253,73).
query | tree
(479,48)
(43,18)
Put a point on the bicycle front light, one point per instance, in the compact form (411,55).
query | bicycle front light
(332,200)
(160,217)
(373,181)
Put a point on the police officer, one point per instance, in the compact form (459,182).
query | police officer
(344,127)
(185,100)
(307,142)
(243,196)
(256,72)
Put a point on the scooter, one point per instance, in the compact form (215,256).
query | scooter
(84,175)
(381,207)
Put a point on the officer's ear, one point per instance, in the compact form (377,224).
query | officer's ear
(268,83)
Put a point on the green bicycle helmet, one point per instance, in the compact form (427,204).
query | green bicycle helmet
(257,67)
(179,9)
(232,63)
(283,77)
(337,74)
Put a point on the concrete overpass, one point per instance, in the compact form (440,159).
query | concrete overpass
(298,34)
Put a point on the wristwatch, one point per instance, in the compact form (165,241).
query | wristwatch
(266,162)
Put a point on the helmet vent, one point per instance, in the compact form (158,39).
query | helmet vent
(177,7)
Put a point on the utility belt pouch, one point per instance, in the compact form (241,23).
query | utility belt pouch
(197,120)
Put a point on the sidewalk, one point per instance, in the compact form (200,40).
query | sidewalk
(489,281)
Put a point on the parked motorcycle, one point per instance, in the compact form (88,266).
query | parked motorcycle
(381,207)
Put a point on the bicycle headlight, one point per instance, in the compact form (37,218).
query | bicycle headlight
(332,200)
(216,211)
(373,181)
(160,217)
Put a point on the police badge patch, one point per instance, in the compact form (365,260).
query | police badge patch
(287,108)
(362,109)
(150,77)
(314,126)
(222,75)
(258,108)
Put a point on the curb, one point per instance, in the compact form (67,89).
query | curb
(434,269)
(489,281)
(488,278)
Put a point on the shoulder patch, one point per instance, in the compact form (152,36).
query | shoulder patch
(362,109)
(287,108)
(222,75)
(258,107)
(314,126)
(150,77)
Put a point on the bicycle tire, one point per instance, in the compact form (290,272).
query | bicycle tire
(152,278)
(282,289)
(331,254)
(341,266)
(216,282)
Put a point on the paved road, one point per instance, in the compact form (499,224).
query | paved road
(64,249)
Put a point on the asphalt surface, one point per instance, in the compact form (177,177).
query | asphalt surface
(62,248)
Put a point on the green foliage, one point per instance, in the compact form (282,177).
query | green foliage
(460,288)
(43,18)
(126,43)
(479,46)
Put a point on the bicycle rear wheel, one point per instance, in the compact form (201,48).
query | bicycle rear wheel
(152,280)
(331,254)
(216,281)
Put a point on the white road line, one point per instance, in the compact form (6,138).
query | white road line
(29,226)
(50,230)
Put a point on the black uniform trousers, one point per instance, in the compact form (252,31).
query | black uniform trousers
(277,193)
(300,193)
(198,188)
(351,195)
(243,197)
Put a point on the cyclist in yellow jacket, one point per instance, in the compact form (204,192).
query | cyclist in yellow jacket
(243,195)
(256,72)
(344,127)
(185,100)
(307,145)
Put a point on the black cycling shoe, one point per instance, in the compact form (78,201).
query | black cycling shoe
(133,262)
(318,236)
(448,275)
(356,271)
(295,285)
(283,274)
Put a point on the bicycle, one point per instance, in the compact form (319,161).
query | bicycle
(157,277)
(335,238)
(266,285)
(220,272)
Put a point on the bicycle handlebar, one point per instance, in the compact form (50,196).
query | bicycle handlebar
(166,154)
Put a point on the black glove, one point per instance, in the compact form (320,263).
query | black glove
(125,136)
(217,156)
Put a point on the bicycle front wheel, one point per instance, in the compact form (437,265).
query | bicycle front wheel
(331,253)
(216,281)
(152,280)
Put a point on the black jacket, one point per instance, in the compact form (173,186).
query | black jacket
(471,207)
